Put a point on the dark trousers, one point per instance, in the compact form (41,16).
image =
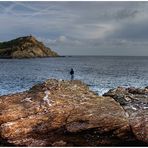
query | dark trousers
(72,76)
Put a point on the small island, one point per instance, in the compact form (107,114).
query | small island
(25,47)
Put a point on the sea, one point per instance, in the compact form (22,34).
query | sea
(100,73)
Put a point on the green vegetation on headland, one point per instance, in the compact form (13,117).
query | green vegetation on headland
(25,47)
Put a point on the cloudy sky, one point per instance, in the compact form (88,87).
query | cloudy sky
(79,28)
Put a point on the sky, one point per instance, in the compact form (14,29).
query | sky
(79,28)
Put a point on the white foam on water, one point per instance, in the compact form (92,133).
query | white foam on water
(100,91)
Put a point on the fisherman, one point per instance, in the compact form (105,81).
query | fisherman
(72,74)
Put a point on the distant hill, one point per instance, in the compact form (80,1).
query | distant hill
(25,47)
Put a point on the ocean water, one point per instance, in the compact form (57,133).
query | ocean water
(100,73)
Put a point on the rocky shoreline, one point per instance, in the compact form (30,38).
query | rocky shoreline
(67,113)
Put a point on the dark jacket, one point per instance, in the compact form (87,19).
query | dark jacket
(72,72)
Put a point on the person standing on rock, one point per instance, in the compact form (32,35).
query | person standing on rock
(72,74)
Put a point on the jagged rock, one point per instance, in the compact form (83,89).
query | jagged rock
(136,106)
(129,95)
(64,113)
(25,47)
(134,90)
(118,94)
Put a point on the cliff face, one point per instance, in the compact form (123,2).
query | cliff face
(25,47)
(67,113)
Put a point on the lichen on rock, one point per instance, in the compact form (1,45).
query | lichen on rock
(64,113)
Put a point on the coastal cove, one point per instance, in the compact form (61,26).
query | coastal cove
(100,73)
(73,73)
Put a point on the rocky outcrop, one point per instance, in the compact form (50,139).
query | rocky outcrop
(135,103)
(66,113)
(25,47)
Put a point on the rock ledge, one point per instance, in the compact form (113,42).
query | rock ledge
(66,113)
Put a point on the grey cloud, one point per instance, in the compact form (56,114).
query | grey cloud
(125,13)
(132,31)
(79,27)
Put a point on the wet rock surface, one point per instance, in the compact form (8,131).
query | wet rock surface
(135,103)
(67,113)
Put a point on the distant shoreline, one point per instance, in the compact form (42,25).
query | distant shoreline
(65,56)
(100,56)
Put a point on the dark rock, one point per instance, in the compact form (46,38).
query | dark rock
(118,95)
(136,107)
(134,90)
